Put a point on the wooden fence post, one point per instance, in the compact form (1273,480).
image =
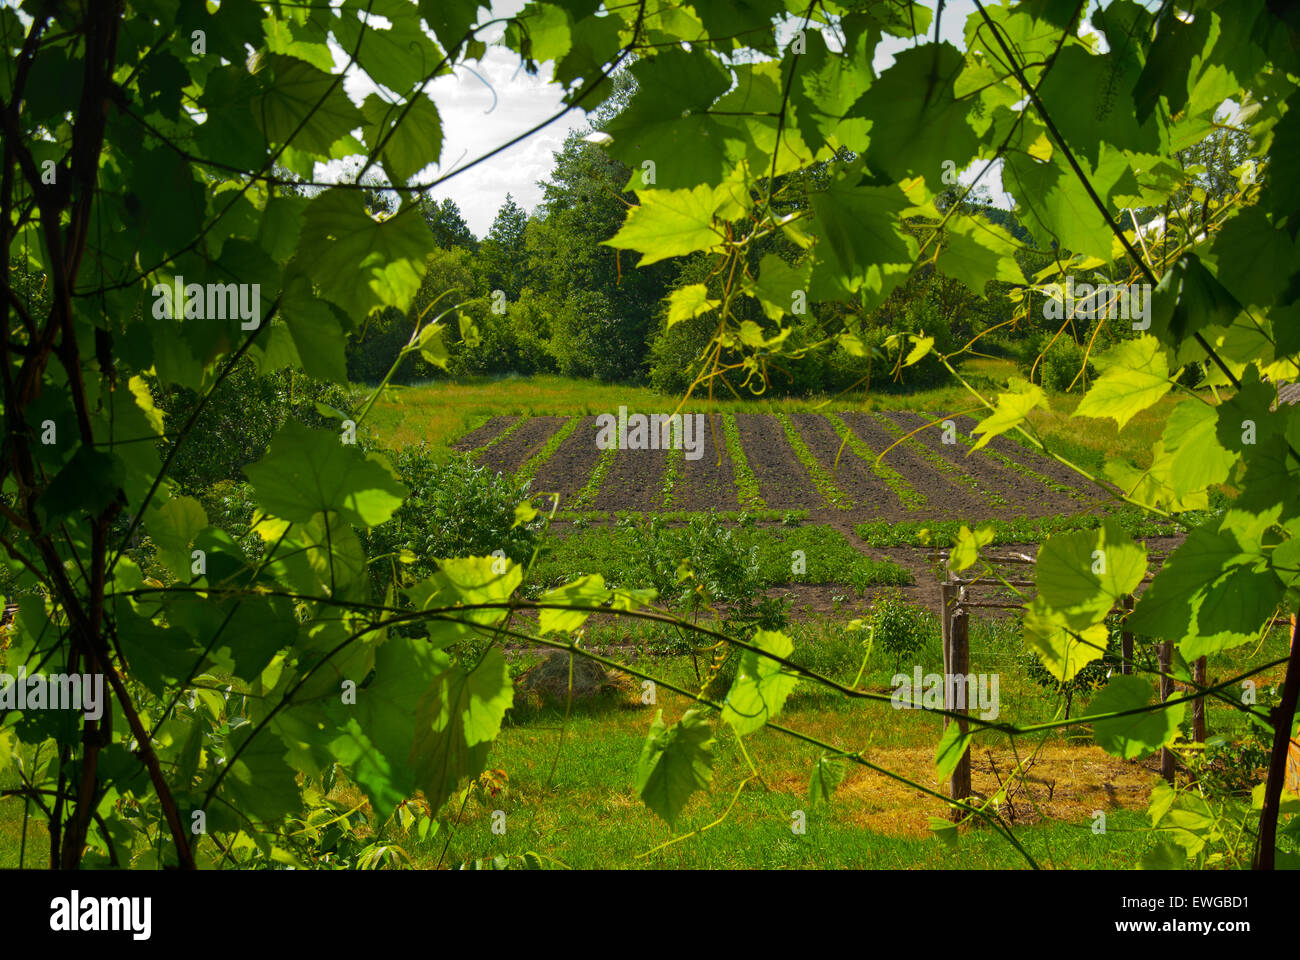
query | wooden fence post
(1292,780)
(1164,657)
(1126,639)
(945,620)
(959,671)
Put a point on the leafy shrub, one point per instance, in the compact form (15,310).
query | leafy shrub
(1091,677)
(456,509)
(899,629)
(243,414)
(1059,365)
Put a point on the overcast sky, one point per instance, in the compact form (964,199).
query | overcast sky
(475,119)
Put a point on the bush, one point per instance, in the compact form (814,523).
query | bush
(899,628)
(455,509)
(1059,365)
(1091,677)
(239,420)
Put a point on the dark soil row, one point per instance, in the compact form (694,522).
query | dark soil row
(1024,496)
(513,452)
(782,480)
(945,498)
(633,482)
(570,466)
(710,480)
(635,479)
(484,434)
(872,498)
(1034,461)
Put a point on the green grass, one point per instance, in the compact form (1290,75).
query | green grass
(613,552)
(924,533)
(820,478)
(746,482)
(765,515)
(912,498)
(529,469)
(940,463)
(672,474)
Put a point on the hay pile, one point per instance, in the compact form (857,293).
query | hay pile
(549,680)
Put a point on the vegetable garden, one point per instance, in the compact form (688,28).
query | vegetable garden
(830,465)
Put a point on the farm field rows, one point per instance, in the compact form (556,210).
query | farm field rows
(826,464)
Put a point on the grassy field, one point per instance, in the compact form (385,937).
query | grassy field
(570,796)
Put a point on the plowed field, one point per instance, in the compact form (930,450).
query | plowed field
(832,472)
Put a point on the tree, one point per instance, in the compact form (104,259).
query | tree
(448,226)
(503,257)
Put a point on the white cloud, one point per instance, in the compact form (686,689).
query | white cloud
(473,125)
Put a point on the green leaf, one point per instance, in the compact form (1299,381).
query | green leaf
(1066,643)
(688,302)
(953,745)
(1055,206)
(318,339)
(467,581)
(173,528)
(761,685)
(308,471)
(1011,410)
(1137,734)
(1187,300)
(777,284)
(1197,459)
(432,346)
(672,223)
(827,774)
(303,106)
(360,263)
(414,132)
(1088,97)
(456,721)
(1215,591)
(380,736)
(157,656)
(946,831)
(260,785)
(967,548)
(917,122)
(1154,487)
(675,762)
(827,84)
(88,484)
(1089,571)
(586,591)
(242,634)
(398,55)
(1135,375)
(859,232)
(977,251)
(1253,258)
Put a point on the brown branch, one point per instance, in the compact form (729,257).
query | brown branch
(1283,719)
